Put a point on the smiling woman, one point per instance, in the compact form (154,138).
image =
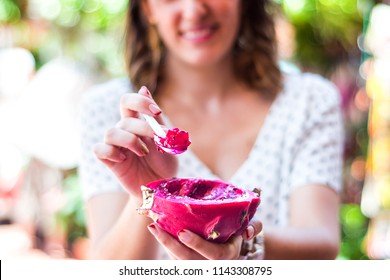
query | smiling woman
(241,29)
(211,66)
(189,39)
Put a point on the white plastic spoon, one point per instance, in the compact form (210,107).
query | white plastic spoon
(157,129)
(160,134)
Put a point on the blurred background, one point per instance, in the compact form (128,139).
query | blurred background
(51,51)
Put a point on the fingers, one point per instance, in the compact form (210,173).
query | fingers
(135,126)
(253,229)
(145,92)
(133,103)
(126,134)
(108,153)
(124,139)
(130,129)
(176,249)
(192,246)
(213,251)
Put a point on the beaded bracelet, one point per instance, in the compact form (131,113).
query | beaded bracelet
(253,249)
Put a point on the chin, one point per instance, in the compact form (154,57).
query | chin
(199,57)
(202,60)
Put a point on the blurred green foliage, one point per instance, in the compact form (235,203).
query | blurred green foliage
(71,217)
(9,11)
(326,30)
(354,229)
(89,31)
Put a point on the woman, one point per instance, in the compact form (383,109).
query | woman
(211,69)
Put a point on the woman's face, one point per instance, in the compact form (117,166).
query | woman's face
(197,32)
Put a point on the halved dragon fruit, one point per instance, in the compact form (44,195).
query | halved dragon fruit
(212,209)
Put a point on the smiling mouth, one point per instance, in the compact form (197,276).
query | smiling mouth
(199,34)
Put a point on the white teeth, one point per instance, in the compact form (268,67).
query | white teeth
(195,34)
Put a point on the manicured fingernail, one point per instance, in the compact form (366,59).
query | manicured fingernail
(145,91)
(185,236)
(250,232)
(153,229)
(144,149)
(154,109)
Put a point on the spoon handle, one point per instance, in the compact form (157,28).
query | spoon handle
(155,126)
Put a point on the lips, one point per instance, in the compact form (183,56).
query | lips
(199,34)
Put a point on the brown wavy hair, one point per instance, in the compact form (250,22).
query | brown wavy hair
(255,51)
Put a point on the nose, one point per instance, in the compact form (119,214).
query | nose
(194,9)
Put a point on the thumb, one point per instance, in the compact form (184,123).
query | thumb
(253,229)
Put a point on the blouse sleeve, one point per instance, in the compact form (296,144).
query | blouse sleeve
(98,111)
(318,153)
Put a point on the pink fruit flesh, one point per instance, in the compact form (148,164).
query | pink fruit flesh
(212,209)
(176,141)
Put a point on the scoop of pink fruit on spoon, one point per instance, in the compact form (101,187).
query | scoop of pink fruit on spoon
(173,141)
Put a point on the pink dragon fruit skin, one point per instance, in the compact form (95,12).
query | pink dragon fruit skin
(212,209)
